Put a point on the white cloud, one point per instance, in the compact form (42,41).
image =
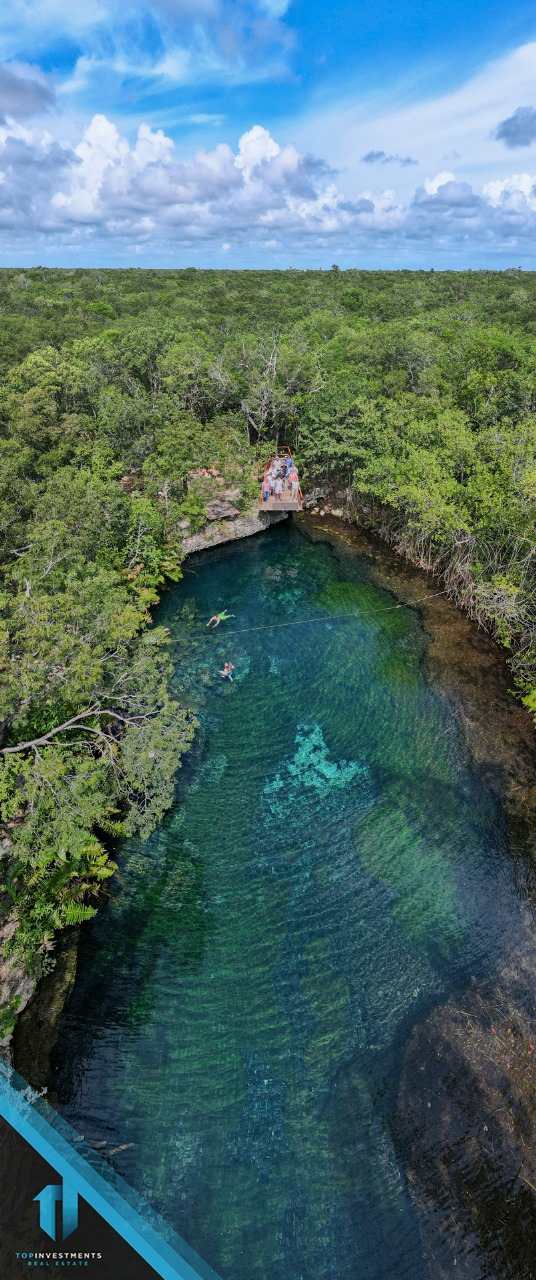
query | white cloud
(156,43)
(101,149)
(152,147)
(269,196)
(205,117)
(255,146)
(517,184)
(24,91)
(432,185)
(39,20)
(461,121)
(275,8)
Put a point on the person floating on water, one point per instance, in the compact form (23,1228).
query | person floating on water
(219,617)
(228,668)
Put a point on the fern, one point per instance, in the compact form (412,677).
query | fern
(75,913)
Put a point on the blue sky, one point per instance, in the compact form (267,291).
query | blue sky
(261,133)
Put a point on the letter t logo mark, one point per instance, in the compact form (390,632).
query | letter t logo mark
(48,1199)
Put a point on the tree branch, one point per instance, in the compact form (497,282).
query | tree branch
(68,724)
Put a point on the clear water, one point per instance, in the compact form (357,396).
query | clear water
(332,867)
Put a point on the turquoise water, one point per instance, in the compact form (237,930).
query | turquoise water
(332,868)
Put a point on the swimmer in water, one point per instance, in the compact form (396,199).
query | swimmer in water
(219,617)
(228,668)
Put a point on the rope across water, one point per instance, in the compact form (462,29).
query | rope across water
(327,617)
(332,617)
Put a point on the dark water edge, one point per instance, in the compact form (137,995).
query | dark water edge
(444,1061)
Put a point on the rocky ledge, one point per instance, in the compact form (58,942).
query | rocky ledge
(16,987)
(230,530)
(16,984)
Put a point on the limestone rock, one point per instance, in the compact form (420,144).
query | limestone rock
(16,984)
(314,497)
(243,527)
(219,510)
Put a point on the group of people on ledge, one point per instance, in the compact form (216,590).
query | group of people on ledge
(281,473)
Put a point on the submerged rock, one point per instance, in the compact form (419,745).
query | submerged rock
(466,1127)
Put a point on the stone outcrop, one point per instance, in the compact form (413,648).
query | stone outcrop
(16,987)
(220,510)
(16,984)
(313,498)
(37,1028)
(231,530)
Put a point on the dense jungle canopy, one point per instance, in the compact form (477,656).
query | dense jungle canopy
(414,391)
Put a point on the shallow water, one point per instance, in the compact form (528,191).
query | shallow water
(332,868)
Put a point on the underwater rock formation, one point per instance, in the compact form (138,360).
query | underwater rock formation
(466,1127)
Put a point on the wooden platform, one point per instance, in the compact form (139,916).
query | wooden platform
(284,503)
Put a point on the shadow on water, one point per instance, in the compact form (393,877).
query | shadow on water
(334,872)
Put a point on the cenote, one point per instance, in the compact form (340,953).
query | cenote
(333,868)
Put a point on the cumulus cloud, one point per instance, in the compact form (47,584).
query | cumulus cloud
(30,172)
(446,197)
(381,157)
(115,188)
(432,185)
(519,129)
(24,91)
(255,147)
(519,184)
(142,195)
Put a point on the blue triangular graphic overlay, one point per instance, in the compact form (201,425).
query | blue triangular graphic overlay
(84,1173)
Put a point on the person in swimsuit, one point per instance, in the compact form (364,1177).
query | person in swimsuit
(227,670)
(219,617)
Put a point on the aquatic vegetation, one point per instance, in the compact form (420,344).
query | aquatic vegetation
(310,767)
(210,772)
(413,861)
